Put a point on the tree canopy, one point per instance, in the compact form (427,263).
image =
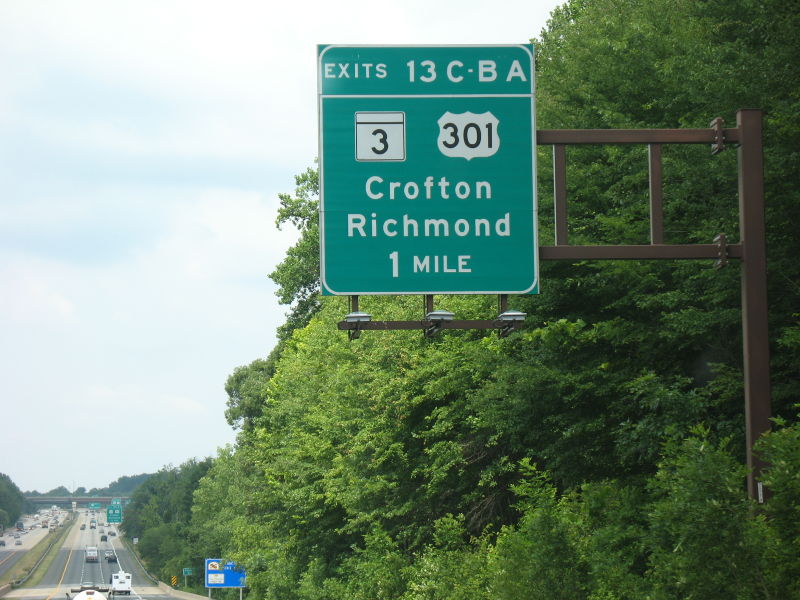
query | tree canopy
(12,501)
(597,453)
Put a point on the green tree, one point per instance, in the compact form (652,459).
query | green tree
(11,499)
(160,515)
(705,543)
(246,392)
(781,450)
(351,456)
(297,276)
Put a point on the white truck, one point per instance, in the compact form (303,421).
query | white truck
(121,583)
(91,554)
(89,591)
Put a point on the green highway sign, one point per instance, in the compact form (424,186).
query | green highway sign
(187,571)
(427,170)
(114,513)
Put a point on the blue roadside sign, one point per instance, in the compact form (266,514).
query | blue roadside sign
(224,574)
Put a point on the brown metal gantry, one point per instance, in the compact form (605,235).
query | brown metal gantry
(751,250)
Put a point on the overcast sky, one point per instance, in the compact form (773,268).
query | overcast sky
(143,145)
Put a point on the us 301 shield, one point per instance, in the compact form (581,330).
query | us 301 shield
(468,135)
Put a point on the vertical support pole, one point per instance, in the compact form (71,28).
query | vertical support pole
(503,301)
(656,195)
(560,192)
(428,303)
(754,290)
(353,303)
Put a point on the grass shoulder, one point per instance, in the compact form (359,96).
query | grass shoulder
(47,547)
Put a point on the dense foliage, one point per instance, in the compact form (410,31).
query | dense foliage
(123,486)
(159,514)
(598,453)
(12,502)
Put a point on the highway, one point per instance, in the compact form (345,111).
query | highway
(70,569)
(11,553)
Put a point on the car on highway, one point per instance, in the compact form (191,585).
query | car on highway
(83,526)
(2,542)
(103,538)
(112,533)
(110,556)
(18,543)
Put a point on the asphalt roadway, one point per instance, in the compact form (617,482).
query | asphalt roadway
(70,569)
(11,553)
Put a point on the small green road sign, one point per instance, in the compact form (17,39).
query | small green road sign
(114,513)
(427,167)
(187,571)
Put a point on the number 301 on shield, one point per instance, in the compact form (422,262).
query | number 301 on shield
(380,136)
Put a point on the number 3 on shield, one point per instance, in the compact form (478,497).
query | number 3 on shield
(381,140)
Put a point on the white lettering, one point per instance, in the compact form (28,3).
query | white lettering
(450,75)
(356,222)
(441,264)
(428,186)
(376,188)
(516,71)
(357,226)
(443,183)
(487,70)
(408,223)
(422,266)
(370,193)
(503,226)
(434,224)
(354,70)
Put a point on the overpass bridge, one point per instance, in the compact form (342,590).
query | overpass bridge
(80,500)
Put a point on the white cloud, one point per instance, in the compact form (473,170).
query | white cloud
(30,296)
(144,146)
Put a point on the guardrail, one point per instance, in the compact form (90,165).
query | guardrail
(58,539)
(132,550)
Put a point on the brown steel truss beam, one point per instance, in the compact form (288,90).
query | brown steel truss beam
(751,250)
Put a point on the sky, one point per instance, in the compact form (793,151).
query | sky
(143,145)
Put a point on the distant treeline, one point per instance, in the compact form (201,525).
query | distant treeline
(12,502)
(598,453)
(124,486)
